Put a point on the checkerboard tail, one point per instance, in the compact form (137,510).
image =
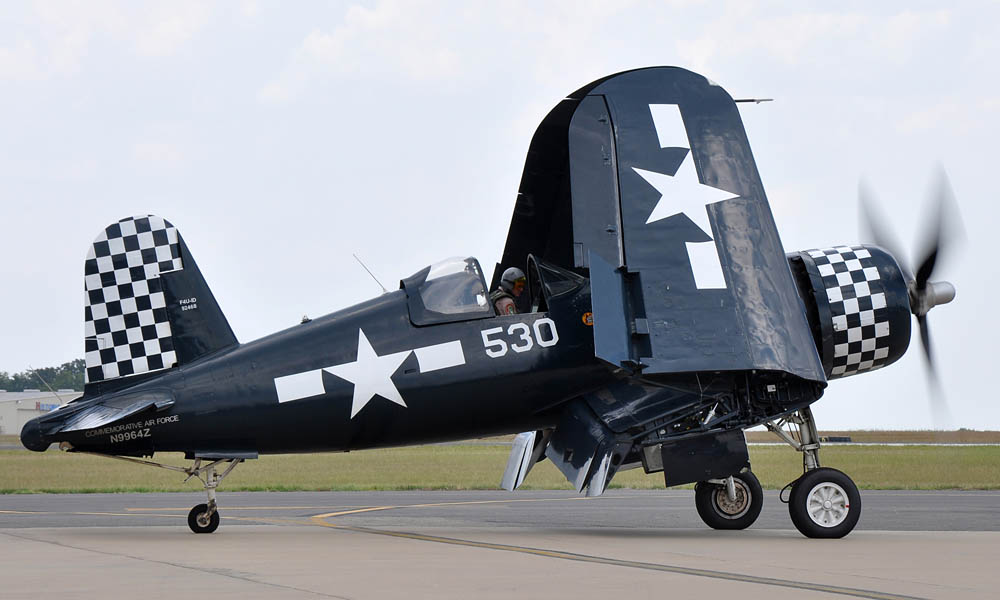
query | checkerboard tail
(147,307)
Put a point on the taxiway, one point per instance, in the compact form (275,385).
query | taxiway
(428,544)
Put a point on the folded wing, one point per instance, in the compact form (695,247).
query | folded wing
(645,181)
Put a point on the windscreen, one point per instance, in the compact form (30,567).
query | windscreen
(454,286)
(447,291)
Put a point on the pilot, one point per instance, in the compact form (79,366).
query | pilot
(512,283)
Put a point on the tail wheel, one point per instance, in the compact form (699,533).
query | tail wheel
(719,511)
(200,521)
(824,503)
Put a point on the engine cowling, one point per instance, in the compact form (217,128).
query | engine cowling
(858,306)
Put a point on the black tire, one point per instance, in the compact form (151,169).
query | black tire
(824,503)
(197,521)
(716,510)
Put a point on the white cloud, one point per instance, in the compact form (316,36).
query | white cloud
(66,29)
(19,62)
(740,30)
(249,9)
(62,34)
(983,49)
(164,29)
(810,37)
(901,32)
(951,116)
(951,113)
(402,39)
(453,43)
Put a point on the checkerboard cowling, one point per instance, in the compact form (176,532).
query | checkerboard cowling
(858,306)
(127,331)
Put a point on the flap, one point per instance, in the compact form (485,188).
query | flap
(585,450)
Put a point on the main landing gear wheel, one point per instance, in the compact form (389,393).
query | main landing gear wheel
(721,511)
(824,503)
(201,520)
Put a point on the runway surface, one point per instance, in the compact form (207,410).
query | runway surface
(428,544)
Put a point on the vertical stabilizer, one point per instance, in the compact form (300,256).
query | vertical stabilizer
(139,280)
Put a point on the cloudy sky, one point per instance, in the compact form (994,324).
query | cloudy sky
(281,138)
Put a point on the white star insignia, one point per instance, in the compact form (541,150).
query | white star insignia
(683,193)
(371,374)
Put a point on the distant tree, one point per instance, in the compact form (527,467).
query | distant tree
(65,376)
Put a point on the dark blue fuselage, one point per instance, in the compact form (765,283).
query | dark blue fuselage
(228,402)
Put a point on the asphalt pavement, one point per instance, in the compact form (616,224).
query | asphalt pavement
(488,544)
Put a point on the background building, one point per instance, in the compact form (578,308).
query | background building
(16,408)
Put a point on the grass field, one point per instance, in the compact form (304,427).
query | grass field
(480,467)
(960,436)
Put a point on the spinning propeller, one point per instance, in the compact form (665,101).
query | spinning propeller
(943,232)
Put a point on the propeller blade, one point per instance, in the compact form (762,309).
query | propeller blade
(940,413)
(875,227)
(943,231)
(926,269)
(925,341)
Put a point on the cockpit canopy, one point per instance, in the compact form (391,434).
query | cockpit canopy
(448,291)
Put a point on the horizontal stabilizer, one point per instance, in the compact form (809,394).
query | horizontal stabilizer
(102,412)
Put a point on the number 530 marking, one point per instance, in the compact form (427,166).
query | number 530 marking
(523,341)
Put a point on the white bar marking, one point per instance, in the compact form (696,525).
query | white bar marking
(299,386)
(669,124)
(706,266)
(440,356)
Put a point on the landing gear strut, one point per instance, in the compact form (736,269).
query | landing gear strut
(204,518)
(824,502)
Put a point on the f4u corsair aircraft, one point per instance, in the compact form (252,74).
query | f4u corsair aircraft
(662,318)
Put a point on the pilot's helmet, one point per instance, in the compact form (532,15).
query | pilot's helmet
(510,278)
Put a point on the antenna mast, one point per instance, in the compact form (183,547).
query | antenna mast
(46,383)
(384,291)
